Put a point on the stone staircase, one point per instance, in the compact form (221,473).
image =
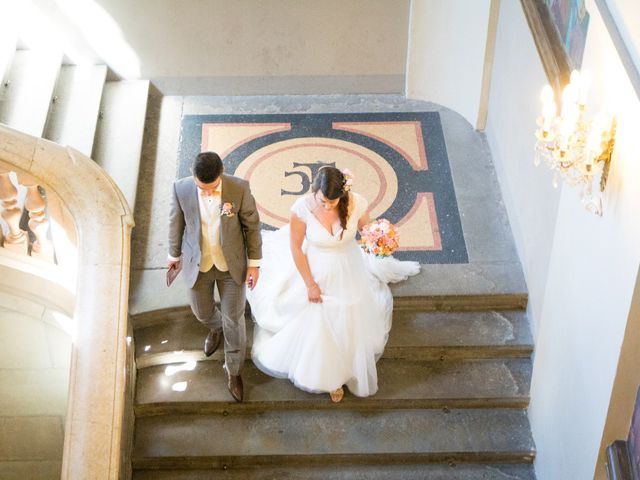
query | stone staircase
(455,376)
(454,385)
(84,107)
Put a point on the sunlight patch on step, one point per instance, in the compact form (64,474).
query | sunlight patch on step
(183,367)
(179,386)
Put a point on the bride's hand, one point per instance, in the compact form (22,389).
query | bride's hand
(314,293)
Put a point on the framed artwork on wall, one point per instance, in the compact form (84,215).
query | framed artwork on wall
(571,19)
(559,29)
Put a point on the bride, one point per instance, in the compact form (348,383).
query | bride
(323,308)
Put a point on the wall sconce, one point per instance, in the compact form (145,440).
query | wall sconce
(577,149)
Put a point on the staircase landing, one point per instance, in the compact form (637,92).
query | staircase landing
(491,278)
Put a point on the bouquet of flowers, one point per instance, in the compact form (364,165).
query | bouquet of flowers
(380,238)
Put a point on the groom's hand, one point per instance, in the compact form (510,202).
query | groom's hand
(253,273)
(173,263)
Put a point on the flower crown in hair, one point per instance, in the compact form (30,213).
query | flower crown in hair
(348,180)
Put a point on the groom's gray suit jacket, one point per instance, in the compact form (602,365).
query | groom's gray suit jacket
(239,233)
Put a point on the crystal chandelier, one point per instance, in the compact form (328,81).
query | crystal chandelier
(576,148)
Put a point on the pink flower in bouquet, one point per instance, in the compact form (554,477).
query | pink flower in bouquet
(380,238)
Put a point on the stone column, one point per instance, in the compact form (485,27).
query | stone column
(16,240)
(39,224)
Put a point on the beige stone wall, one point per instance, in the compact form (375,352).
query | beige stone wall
(34,382)
(250,46)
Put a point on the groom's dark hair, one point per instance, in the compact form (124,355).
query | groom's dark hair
(207,167)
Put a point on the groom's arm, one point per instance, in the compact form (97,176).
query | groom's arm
(176,227)
(250,221)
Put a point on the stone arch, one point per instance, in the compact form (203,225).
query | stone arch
(94,441)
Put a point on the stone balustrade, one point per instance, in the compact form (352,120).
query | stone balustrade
(17,239)
(89,222)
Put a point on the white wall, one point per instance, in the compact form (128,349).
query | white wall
(446,53)
(594,264)
(580,307)
(531,202)
(254,46)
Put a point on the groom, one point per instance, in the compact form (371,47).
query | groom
(214,236)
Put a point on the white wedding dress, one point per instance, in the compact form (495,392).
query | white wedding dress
(322,346)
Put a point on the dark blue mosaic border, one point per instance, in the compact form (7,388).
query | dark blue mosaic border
(436,180)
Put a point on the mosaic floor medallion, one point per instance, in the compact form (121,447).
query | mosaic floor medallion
(399,162)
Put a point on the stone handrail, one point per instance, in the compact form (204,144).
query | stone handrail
(102,221)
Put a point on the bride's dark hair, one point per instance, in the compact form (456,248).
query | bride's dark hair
(331,182)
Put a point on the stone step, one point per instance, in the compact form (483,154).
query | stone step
(75,107)
(118,140)
(469,302)
(402,384)
(26,94)
(413,336)
(447,303)
(448,335)
(335,436)
(350,472)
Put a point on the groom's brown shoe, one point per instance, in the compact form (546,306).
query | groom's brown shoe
(234,382)
(212,342)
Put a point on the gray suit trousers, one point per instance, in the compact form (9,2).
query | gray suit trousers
(229,318)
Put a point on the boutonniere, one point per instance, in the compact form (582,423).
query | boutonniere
(226,209)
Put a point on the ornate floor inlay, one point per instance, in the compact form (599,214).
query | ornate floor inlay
(399,161)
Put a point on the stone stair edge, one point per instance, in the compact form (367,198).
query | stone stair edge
(452,303)
(66,87)
(227,462)
(432,354)
(31,115)
(414,471)
(169,409)
(118,141)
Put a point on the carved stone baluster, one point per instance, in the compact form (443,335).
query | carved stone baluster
(38,223)
(16,239)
